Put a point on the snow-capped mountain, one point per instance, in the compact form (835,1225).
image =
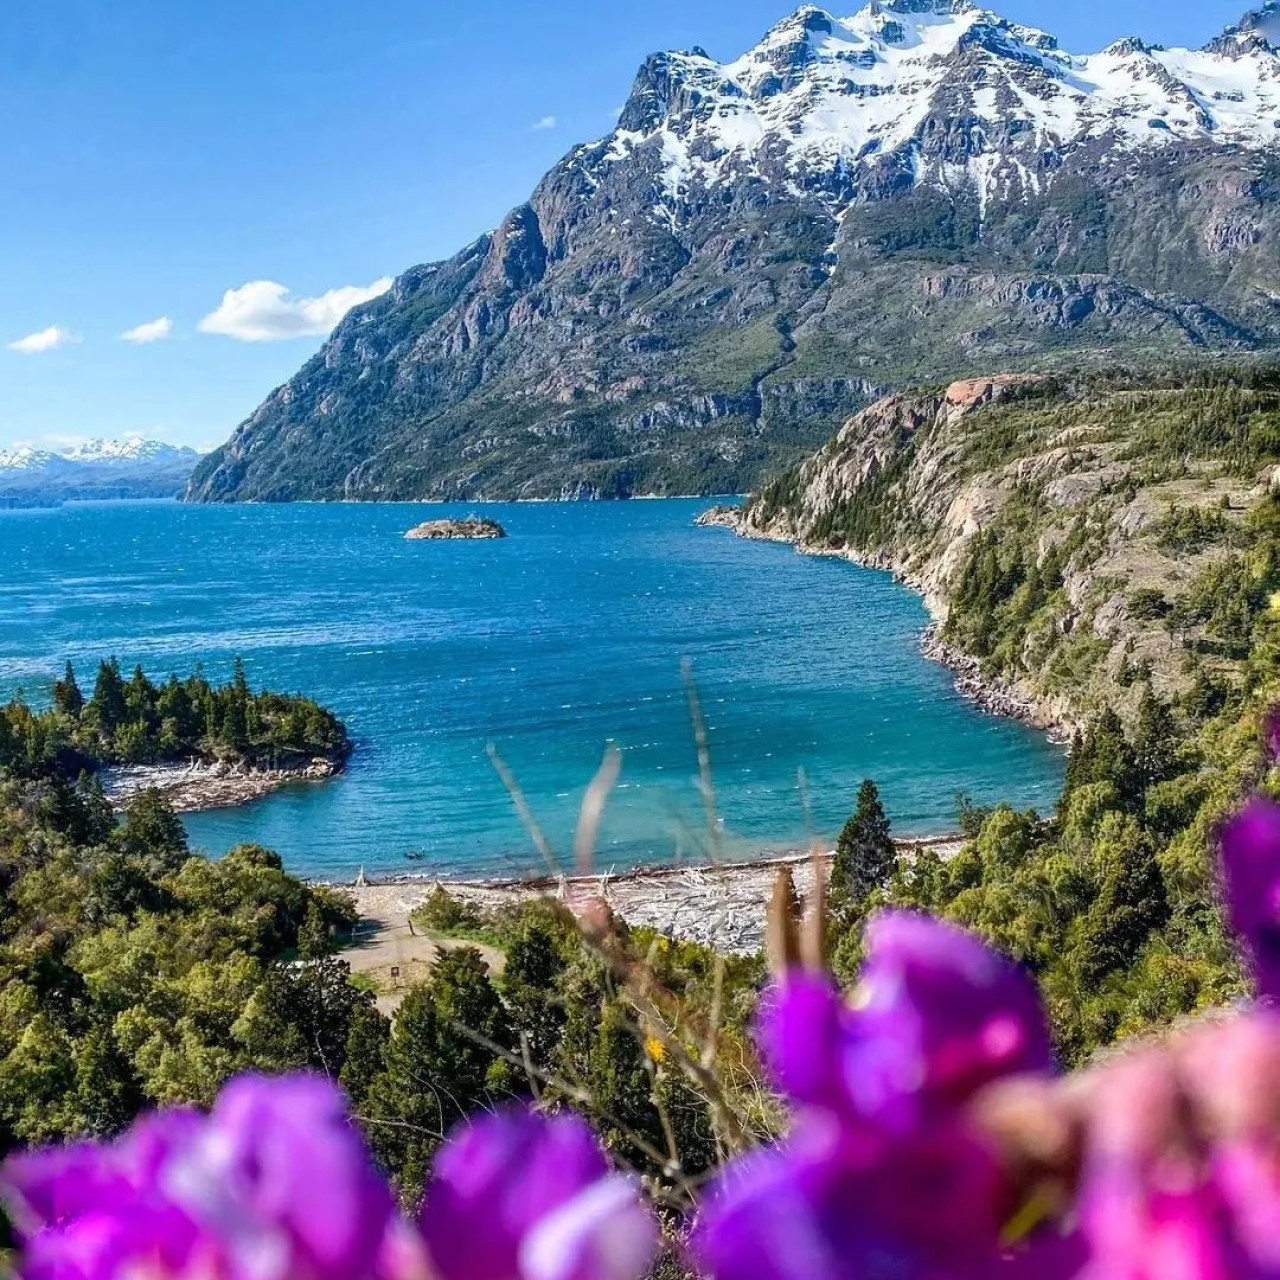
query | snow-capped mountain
(134,467)
(132,449)
(916,191)
(911,91)
(25,459)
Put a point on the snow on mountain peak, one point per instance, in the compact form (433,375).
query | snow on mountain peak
(1264,22)
(132,449)
(23,457)
(935,90)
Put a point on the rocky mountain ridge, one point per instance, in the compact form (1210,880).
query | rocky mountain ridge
(765,245)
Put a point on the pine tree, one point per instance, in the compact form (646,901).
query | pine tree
(234,731)
(528,985)
(865,855)
(439,1067)
(1132,900)
(154,834)
(365,1055)
(1103,754)
(108,700)
(314,942)
(1155,740)
(67,698)
(140,696)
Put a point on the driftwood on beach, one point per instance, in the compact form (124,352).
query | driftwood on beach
(720,906)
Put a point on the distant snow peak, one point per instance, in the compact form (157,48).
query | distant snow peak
(130,448)
(99,453)
(24,457)
(936,7)
(1264,22)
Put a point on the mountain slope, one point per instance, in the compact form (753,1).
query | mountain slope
(130,468)
(1076,538)
(764,245)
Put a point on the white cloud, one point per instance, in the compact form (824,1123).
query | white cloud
(547,122)
(49,339)
(151,331)
(264,311)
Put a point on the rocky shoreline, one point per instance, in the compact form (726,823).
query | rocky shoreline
(720,906)
(720,518)
(195,786)
(996,697)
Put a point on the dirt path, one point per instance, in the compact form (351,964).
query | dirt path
(394,954)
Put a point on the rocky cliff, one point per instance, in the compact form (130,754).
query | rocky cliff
(1075,539)
(763,246)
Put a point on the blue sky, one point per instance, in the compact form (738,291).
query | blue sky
(159,153)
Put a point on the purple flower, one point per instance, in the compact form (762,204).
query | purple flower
(92,1212)
(957,1013)
(805,1031)
(144,1238)
(1231,1068)
(283,1177)
(838,1204)
(603,1233)
(521,1196)
(1150,1204)
(938,1014)
(274,1185)
(59,1184)
(1247,1177)
(1250,856)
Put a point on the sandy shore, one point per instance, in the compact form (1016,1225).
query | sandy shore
(721,906)
(193,786)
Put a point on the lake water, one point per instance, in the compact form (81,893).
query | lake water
(566,636)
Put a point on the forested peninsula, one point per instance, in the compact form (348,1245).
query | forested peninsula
(204,745)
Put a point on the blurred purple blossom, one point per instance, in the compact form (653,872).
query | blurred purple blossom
(274,1185)
(835,1202)
(521,1196)
(881,1174)
(1250,853)
(937,1015)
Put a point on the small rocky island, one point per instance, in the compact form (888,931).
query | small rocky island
(467,527)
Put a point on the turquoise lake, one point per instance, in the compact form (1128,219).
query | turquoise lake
(566,636)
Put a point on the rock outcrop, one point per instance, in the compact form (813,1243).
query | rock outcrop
(720,518)
(469,527)
(195,786)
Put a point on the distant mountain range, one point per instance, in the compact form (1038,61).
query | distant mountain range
(130,468)
(916,192)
